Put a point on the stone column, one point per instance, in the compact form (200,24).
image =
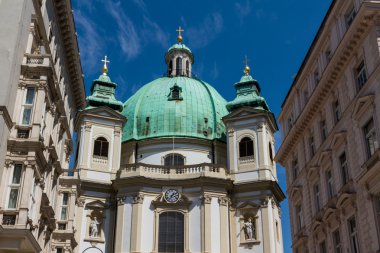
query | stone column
(136,223)
(206,223)
(260,143)
(119,225)
(24,194)
(267,218)
(224,203)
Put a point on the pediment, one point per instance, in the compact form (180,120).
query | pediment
(338,138)
(295,192)
(325,157)
(243,112)
(97,204)
(248,205)
(313,172)
(362,105)
(104,111)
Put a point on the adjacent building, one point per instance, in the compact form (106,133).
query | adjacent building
(41,92)
(330,127)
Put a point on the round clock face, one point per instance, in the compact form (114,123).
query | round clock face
(171,195)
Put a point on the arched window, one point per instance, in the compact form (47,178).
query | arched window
(246,147)
(175,94)
(174,159)
(101,147)
(187,68)
(270,151)
(170,69)
(171,232)
(178,66)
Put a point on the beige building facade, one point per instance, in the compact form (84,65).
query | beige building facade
(330,130)
(41,92)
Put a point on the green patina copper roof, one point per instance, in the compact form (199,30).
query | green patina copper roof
(103,94)
(196,112)
(248,94)
(179,47)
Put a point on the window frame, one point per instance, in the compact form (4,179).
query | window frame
(353,235)
(176,226)
(337,111)
(337,244)
(361,76)
(173,155)
(343,164)
(370,137)
(14,186)
(64,206)
(246,140)
(317,196)
(27,106)
(102,141)
(330,184)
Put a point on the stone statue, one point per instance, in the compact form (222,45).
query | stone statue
(249,229)
(94,228)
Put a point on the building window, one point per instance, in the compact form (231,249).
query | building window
(299,217)
(171,232)
(344,168)
(14,186)
(270,151)
(175,93)
(174,159)
(317,197)
(370,137)
(170,69)
(337,111)
(64,206)
(329,182)
(361,75)
(178,66)
(350,16)
(323,130)
(306,96)
(187,68)
(337,242)
(353,232)
(32,200)
(27,106)
(101,147)
(328,55)
(312,145)
(59,250)
(316,78)
(322,247)
(246,147)
(295,168)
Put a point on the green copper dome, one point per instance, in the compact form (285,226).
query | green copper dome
(175,106)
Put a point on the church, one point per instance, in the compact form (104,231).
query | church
(175,168)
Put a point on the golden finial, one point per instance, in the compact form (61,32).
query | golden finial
(105,69)
(246,69)
(179,37)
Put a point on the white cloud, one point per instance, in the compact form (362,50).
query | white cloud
(127,34)
(141,4)
(153,32)
(206,32)
(243,10)
(214,71)
(90,42)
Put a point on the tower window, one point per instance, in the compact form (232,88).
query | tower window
(175,93)
(170,69)
(187,68)
(174,159)
(178,66)
(171,232)
(101,147)
(246,147)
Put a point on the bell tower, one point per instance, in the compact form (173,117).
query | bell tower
(99,128)
(250,127)
(179,58)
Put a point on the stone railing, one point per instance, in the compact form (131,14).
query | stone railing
(36,59)
(70,173)
(254,175)
(247,159)
(100,159)
(174,172)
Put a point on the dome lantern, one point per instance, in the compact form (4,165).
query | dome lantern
(179,58)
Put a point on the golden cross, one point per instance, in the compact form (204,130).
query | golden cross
(105,69)
(179,30)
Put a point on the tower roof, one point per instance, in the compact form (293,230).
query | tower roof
(103,92)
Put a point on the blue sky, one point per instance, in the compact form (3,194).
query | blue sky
(135,34)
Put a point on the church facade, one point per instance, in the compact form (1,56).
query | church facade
(175,168)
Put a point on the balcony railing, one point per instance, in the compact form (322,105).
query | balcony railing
(177,172)
(247,159)
(100,159)
(36,59)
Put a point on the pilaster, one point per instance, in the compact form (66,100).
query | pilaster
(119,225)
(206,223)
(25,195)
(136,223)
(224,203)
